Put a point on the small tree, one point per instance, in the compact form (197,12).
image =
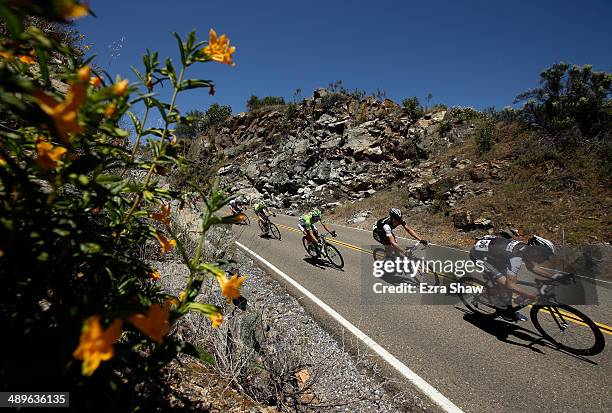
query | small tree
(413,106)
(570,96)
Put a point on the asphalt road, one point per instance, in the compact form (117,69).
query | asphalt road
(481,366)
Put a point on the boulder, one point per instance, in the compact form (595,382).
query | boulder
(463,220)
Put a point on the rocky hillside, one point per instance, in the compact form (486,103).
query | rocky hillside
(352,156)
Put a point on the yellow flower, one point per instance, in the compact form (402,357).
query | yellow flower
(6,55)
(154,275)
(48,155)
(167,245)
(182,296)
(95,344)
(95,81)
(71,10)
(163,216)
(230,287)
(149,82)
(155,322)
(121,87)
(84,73)
(110,110)
(218,48)
(216,319)
(64,114)
(2,161)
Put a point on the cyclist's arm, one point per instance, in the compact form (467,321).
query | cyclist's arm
(412,232)
(394,244)
(327,228)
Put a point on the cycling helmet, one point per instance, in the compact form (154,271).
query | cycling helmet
(395,213)
(545,244)
(316,212)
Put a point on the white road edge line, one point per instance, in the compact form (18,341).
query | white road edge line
(438,398)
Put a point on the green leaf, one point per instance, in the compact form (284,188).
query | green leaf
(170,71)
(205,309)
(197,352)
(90,247)
(194,84)
(181,47)
(13,22)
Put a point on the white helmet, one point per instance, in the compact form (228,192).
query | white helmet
(542,242)
(395,213)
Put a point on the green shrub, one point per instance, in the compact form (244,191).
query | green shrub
(80,309)
(485,137)
(570,96)
(254,103)
(414,108)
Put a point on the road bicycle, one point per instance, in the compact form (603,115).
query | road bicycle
(245,218)
(269,227)
(420,277)
(324,248)
(561,324)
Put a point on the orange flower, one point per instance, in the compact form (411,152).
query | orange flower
(71,10)
(95,81)
(96,210)
(154,275)
(216,319)
(110,110)
(2,161)
(218,48)
(64,114)
(48,155)
(230,287)
(30,58)
(163,216)
(167,245)
(6,55)
(155,322)
(121,87)
(84,73)
(95,344)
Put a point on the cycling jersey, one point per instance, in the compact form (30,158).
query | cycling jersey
(258,207)
(234,203)
(307,220)
(500,256)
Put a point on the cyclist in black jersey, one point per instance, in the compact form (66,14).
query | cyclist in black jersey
(503,258)
(382,232)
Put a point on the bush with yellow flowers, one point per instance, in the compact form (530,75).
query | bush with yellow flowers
(80,311)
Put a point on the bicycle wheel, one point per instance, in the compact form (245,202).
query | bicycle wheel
(246,220)
(568,328)
(476,302)
(274,231)
(378,254)
(310,249)
(334,256)
(262,226)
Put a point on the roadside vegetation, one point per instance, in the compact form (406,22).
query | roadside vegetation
(81,308)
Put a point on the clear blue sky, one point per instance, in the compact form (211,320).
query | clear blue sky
(469,53)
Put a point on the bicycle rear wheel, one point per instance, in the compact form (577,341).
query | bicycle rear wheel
(274,231)
(334,256)
(378,254)
(310,249)
(568,328)
(477,302)
(262,226)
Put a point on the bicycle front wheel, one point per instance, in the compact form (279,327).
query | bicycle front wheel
(568,328)
(334,256)
(474,295)
(310,249)
(246,220)
(274,230)
(379,254)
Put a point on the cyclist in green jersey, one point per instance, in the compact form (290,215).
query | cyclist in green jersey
(262,211)
(306,224)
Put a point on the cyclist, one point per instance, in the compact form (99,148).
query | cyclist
(262,211)
(236,206)
(503,258)
(382,231)
(306,224)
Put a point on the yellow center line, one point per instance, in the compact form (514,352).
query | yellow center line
(603,327)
